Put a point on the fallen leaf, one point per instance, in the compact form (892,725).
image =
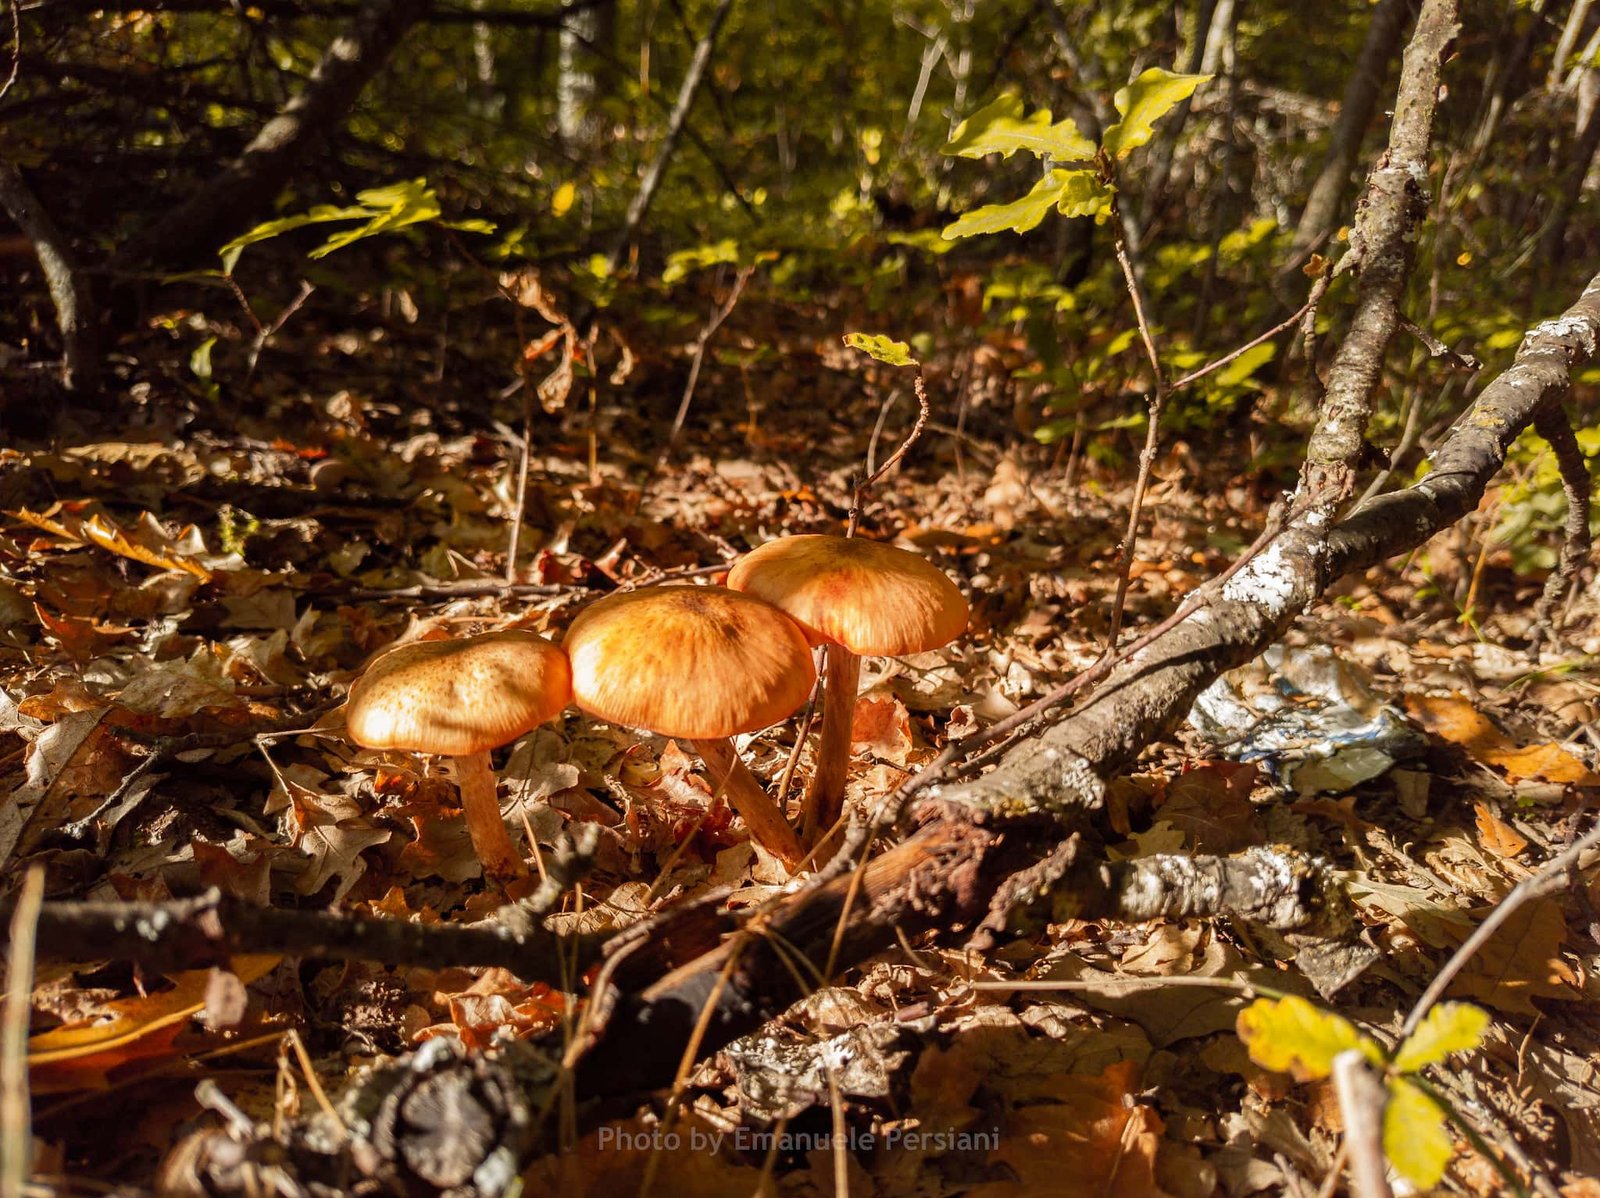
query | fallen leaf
(1521,962)
(79,1055)
(882,727)
(1458,722)
(1093,1138)
(1499,837)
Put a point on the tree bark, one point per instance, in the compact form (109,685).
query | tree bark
(226,205)
(1325,202)
(76,315)
(1383,249)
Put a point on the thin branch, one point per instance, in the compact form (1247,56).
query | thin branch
(16,48)
(1551,875)
(207,930)
(1553,426)
(718,317)
(687,90)
(1155,406)
(1318,290)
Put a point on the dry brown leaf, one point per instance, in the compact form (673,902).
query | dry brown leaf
(1499,837)
(1458,722)
(1211,806)
(1521,962)
(882,727)
(1094,1138)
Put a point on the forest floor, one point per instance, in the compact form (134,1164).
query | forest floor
(207,563)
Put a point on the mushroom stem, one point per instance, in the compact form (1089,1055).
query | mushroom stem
(825,796)
(744,791)
(481,806)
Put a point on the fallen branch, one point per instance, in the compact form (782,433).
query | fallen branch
(207,930)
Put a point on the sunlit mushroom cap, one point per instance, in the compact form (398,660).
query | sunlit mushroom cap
(459,697)
(695,662)
(872,598)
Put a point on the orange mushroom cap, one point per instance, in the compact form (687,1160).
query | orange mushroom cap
(872,598)
(456,698)
(695,662)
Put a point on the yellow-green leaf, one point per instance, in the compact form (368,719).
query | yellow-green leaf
(561,202)
(1293,1036)
(1415,1137)
(1082,194)
(895,353)
(1018,216)
(1449,1027)
(1000,128)
(1144,102)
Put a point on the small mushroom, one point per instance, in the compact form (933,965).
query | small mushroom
(859,598)
(460,699)
(701,664)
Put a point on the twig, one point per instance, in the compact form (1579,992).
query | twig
(472,588)
(1552,425)
(16,47)
(16,1136)
(859,491)
(207,930)
(1155,405)
(1361,1102)
(1318,290)
(722,312)
(1546,880)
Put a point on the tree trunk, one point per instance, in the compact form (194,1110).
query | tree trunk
(1554,237)
(225,206)
(585,36)
(1325,202)
(76,315)
(1165,148)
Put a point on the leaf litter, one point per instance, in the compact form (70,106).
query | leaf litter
(184,611)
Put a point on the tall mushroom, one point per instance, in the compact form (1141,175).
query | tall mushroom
(460,699)
(699,663)
(858,597)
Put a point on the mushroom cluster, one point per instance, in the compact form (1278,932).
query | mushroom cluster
(699,663)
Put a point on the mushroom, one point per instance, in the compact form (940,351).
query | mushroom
(701,664)
(857,597)
(459,699)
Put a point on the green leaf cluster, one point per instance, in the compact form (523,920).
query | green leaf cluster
(1000,127)
(379,209)
(1293,1036)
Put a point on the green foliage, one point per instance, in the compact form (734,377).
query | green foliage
(1293,1036)
(882,348)
(1144,102)
(1000,128)
(380,209)
(1078,190)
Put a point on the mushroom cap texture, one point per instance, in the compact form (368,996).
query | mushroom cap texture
(872,598)
(695,662)
(459,697)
